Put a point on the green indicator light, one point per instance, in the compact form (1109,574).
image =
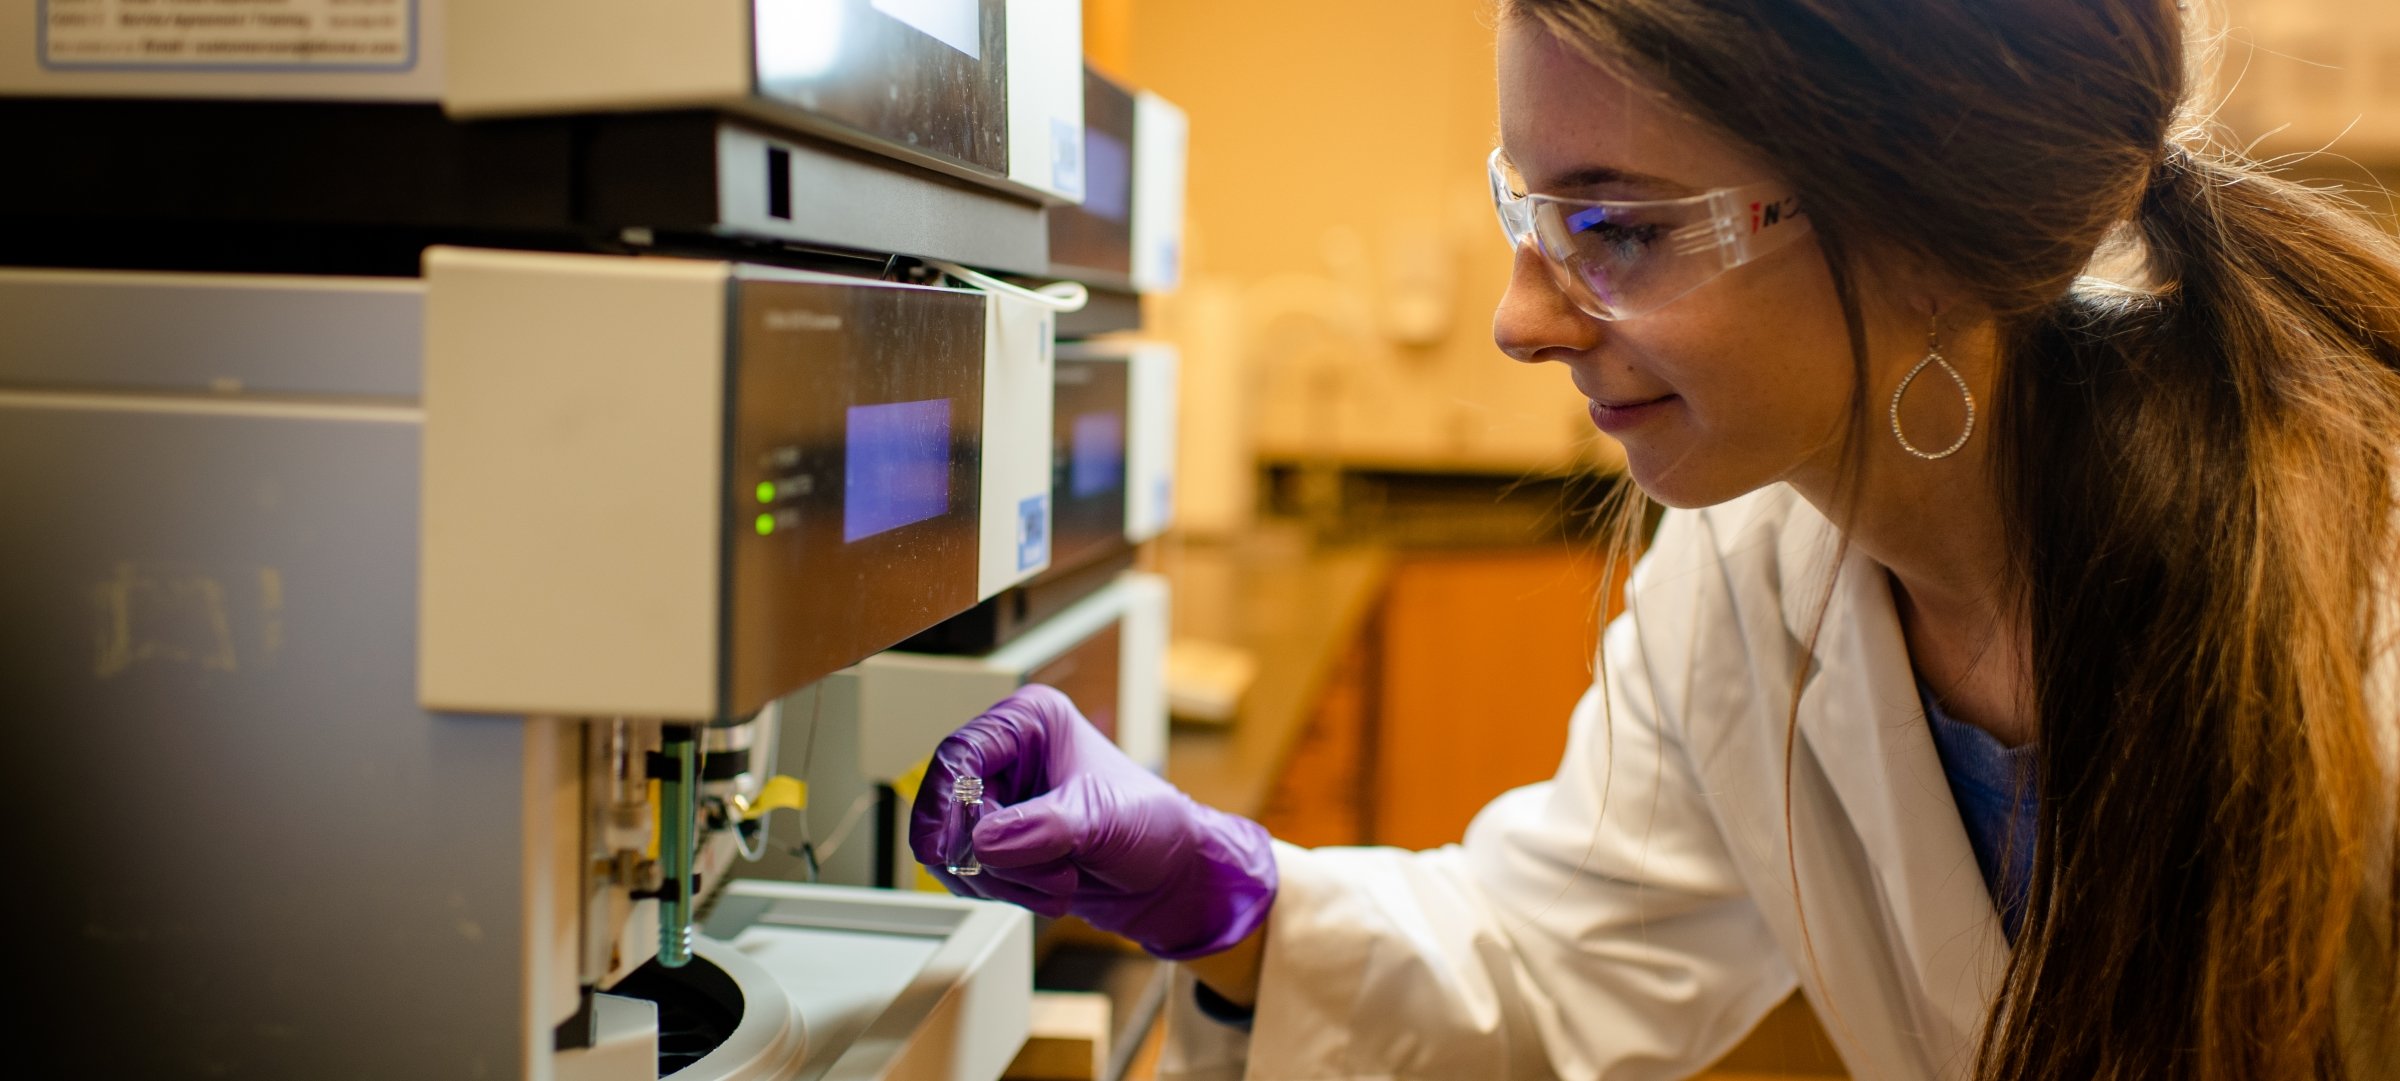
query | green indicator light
(766,524)
(766,491)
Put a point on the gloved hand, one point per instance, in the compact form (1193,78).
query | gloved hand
(1071,825)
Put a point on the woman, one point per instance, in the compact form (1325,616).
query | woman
(2012,674)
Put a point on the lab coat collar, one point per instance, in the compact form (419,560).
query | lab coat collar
(1862,720)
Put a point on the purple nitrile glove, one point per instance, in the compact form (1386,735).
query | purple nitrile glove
(1071,825)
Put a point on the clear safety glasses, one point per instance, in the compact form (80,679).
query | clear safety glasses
(1618,259)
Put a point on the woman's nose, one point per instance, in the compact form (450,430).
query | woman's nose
(1535,321)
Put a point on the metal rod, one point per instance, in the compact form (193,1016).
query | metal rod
(678,816)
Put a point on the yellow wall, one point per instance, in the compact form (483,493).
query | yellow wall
(1108,35)
(1343,254)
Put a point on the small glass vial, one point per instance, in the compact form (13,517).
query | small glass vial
(966,809)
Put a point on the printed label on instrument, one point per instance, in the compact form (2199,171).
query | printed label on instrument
(230,34)
(1066,157)
(1033,532)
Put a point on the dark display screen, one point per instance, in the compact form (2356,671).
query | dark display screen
(1097,462)
(1087,458)
(897,466)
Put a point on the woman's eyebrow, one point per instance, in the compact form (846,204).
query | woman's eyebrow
(1603,176)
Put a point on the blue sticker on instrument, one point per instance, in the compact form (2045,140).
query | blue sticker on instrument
(1066,157)
(1033,531)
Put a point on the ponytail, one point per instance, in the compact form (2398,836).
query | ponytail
(2202,476)
(2222,231)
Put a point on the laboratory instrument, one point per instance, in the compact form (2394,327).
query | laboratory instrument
(785,472)
(439,485)
(1127,232)
(246,492)
(1125,239)
(987,91)
(1113,479)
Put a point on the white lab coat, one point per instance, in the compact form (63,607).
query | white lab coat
(1634,917)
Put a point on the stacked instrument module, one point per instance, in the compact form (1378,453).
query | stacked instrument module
(443,439)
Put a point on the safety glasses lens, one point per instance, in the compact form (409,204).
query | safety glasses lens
(1613,256)
(1616,260)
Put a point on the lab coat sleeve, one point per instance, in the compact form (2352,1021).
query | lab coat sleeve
(1593,926)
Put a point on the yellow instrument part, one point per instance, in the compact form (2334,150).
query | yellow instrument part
(907,784)
(779,793)
(651,853)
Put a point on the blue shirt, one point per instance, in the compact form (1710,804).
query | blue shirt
(1998,791)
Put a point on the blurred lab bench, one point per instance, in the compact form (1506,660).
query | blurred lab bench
(1381,671)
(1299,614)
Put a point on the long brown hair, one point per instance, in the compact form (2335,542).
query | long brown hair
(2198,469)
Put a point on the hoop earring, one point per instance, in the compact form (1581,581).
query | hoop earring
(1933,356)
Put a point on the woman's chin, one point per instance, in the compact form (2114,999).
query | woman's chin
(1677,500)
(1679,486)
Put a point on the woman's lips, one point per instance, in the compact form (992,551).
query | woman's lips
(1618,418)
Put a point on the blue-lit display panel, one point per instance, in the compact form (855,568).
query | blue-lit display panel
(1107,175)
(1096,458)
(897,467)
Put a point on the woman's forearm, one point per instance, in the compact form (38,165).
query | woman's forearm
(1233,973)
